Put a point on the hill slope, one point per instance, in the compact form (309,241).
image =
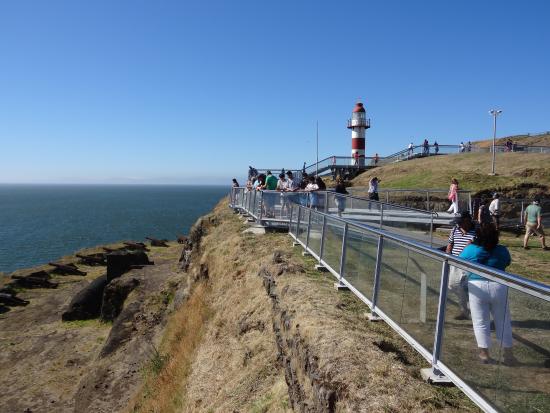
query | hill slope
(518,174)
(530,140)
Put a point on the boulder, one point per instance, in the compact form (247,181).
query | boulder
(120,262)
(87,303)
(114,295)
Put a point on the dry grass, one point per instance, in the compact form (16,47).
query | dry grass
(162,390)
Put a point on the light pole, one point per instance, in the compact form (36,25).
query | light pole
(494,113)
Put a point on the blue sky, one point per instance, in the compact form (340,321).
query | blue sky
(194,92)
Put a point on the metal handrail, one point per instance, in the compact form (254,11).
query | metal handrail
(492,273)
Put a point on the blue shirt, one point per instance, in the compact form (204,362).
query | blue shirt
(498,257)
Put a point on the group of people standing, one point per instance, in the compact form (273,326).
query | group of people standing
(425,148)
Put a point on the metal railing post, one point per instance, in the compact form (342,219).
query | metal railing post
(308,228)
(322,247)
(381,214)
(343,254)
(470,202)
(427,200)
(261,206)
(290,219)
(326,203)
(387,197)
(440,323)
(431,230)
(298,223)
(254,202)
(376,287)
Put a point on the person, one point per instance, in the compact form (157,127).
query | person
(489,298)
(469,146)
(533,223)
(461,147)
(340,200)
(268,199)
(250,184)
(483,214)
(252,172)
(426,147)
(494,209)
(436,147)
(376,158)
(462,234)
(373,189)
(304,169)
(411,149)
(235,183)
(260,182)
(312,187)
(282,183)
(282,186)
(356,158)
(453,196)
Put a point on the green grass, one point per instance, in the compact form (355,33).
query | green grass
(471,170)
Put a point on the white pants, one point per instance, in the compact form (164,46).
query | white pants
(490,298)
(454,207)
(457,285)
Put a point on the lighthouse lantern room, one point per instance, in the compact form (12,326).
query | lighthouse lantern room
(358,125)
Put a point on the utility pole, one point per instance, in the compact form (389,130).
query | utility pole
(494,113)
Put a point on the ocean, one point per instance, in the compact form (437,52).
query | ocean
(40,223)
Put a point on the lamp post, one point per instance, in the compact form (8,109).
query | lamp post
(494,113)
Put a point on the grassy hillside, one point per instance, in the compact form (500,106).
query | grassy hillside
(518,174)
(537,140)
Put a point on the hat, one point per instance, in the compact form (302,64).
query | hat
(463,215)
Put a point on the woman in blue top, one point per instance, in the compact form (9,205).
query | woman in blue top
(489,297)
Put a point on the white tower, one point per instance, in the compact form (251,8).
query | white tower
(358,125)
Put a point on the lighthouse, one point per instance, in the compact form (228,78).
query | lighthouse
(358,125)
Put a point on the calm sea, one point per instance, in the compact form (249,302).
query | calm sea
(39,223)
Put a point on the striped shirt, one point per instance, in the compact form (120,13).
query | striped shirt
(459,240)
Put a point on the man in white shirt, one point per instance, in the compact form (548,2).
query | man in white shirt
(411,149)
(494,210)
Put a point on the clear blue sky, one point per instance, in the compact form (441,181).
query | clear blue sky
(181,91)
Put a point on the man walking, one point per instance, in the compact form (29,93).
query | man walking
(533,223)
(494,209)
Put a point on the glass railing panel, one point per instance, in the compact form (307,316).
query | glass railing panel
(361,248)
(515,328)
(409,291)
(315,233)
(302,231)
(408,223)
(294,221)
(332,247)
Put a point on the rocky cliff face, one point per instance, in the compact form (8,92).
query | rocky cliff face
(279,337)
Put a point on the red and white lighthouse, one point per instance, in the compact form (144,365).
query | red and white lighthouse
(358,125)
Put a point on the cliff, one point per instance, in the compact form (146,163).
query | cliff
(262,331)
(229,321)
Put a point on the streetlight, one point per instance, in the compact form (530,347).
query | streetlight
(494,113)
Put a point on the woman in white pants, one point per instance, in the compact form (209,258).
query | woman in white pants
(453,196)
(489,298)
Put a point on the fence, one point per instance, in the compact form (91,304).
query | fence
(272,208)
(406,284)
(430,199)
